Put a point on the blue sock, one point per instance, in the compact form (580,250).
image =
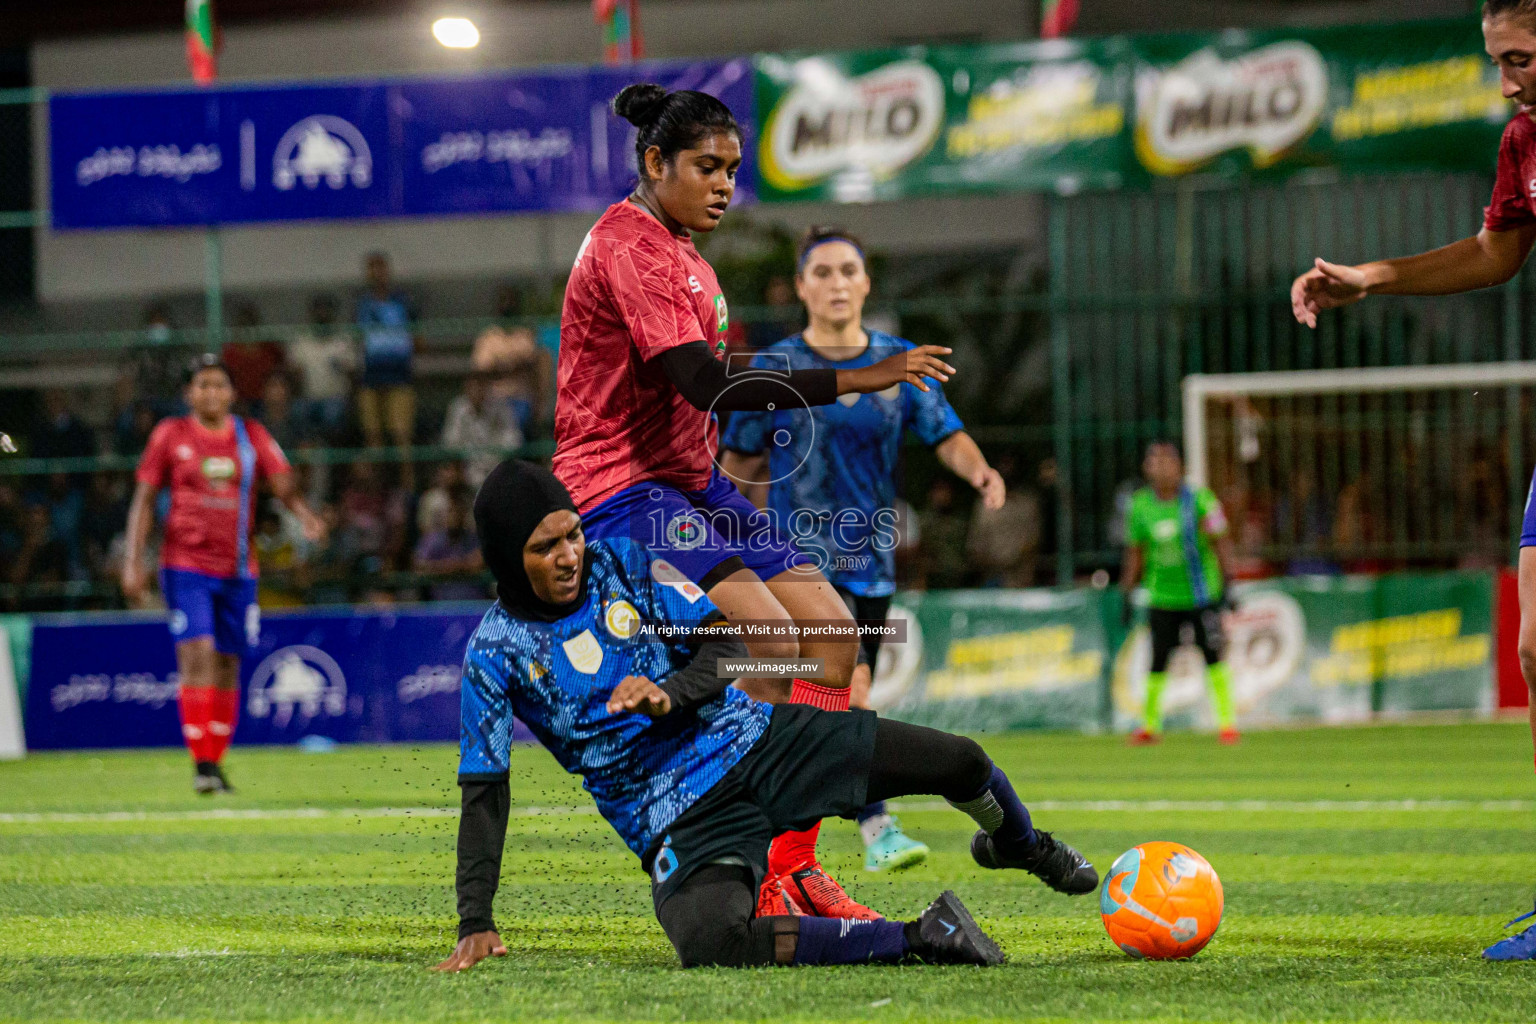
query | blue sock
(835,940)
(873,810)
(1001,815)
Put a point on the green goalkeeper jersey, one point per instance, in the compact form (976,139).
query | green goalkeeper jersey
(1181,567)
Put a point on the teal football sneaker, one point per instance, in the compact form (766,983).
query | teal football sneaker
(1516,947)
(893,850)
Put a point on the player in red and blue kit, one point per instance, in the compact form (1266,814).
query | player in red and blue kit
(1493,256)
(639,381)
(213,462)
(829,474)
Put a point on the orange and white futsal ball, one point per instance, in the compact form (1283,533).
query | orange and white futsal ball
(1161,901)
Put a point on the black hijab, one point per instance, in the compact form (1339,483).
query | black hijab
(512,502)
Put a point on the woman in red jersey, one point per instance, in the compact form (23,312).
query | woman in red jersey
(1491,257)
(639,380)
(212,462)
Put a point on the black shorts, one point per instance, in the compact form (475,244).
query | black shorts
(867,609)
(1167,628)
(809,765)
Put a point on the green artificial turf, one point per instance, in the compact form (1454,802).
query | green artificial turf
(1343,903)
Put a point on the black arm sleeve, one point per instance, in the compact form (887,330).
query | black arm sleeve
(698,682)
(703,381)
(482,833)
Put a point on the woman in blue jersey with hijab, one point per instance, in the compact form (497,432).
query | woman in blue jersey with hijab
(827,474)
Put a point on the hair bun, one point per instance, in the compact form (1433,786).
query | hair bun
(639,104)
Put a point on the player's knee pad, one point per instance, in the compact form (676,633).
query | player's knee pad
(709,920)
(970,765)
(704,942)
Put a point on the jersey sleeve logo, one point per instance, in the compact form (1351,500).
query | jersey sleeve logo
(622,620)
(722,314)
(669,575)
(584,652)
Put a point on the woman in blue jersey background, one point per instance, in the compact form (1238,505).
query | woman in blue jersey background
(827,474)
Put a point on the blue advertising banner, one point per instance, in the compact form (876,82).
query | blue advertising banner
(542,141)
(365,677)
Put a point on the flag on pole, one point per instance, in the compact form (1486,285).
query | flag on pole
(621,29)
(202,42)
(1057,17)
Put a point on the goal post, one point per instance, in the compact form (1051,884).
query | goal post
(1416,462)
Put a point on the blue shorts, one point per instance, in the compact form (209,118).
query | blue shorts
(222,607)
(697,531)
(1528,525)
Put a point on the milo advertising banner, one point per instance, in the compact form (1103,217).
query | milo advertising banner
(1365,98)
(1066,115)
(880,124)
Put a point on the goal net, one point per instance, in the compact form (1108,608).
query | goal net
(1366,469)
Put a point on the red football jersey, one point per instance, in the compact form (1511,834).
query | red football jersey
(636,291)
(209,496)
(1514,187)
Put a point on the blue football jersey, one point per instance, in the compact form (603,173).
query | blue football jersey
(557,676)
(833,467)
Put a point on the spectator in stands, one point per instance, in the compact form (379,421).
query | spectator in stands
(280,559)
(1305,524)
(1003,544)
(324,356)
(42,560)
(387,399)
(104,517)
(1048,488)
(250,361)
(943,545)
(279,415)
(10,526)
(453,548)
(331,567)
(362,511)
(909,539)
(520,370)
(131,429)
(65,503)
(157,366)
(59,434)
(432,509)
(474,421)
(786,319)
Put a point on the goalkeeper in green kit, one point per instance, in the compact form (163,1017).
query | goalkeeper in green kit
(1176,536)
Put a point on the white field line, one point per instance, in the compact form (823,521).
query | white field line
(1091,806)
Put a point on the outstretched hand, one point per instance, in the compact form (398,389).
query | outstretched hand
(1326,286)
(471,950)
(637,693)
(990,487)
(915,366)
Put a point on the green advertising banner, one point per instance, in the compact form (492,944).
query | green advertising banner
(1305,649)
(1066,115)
(1413,96)
(853,127)
(988,660)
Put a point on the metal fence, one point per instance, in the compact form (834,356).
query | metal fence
(1071,357)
